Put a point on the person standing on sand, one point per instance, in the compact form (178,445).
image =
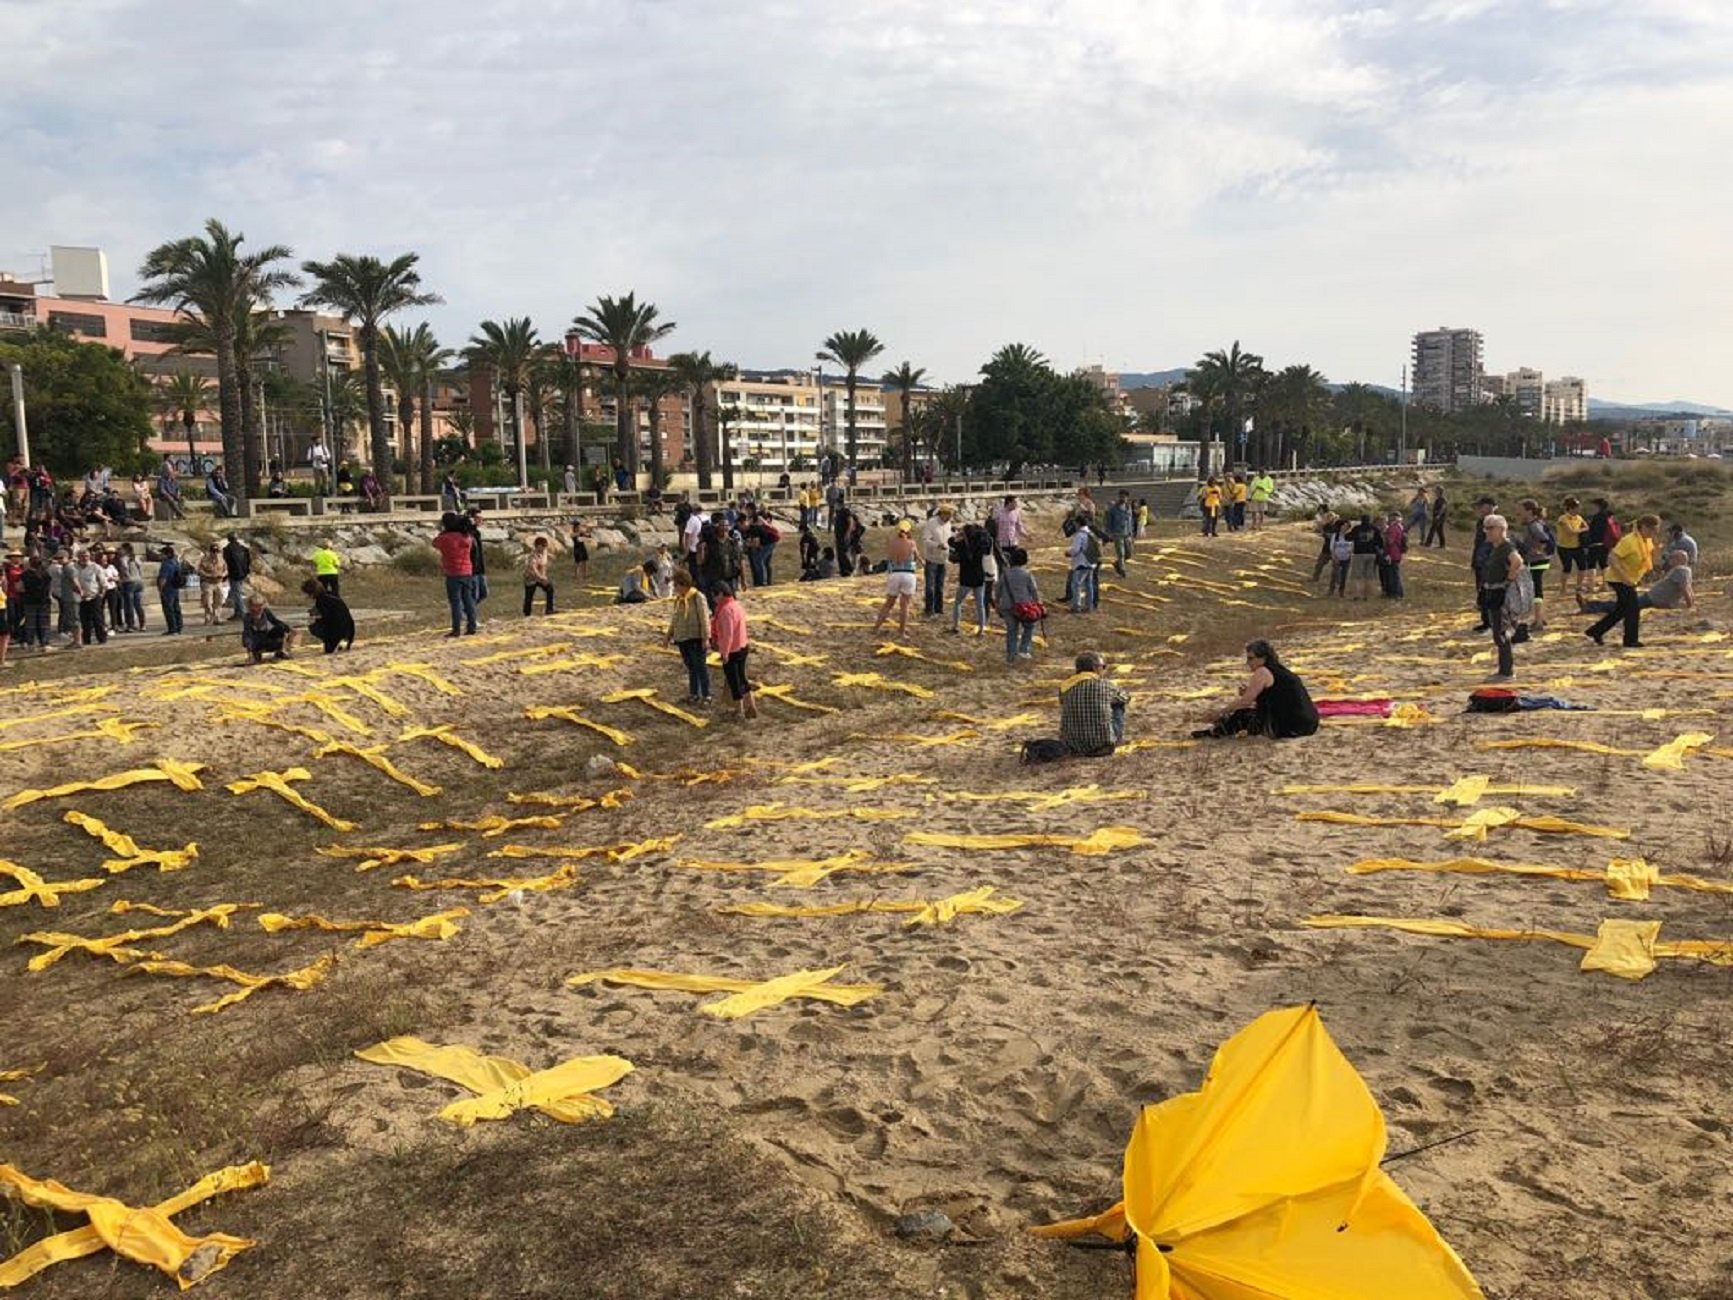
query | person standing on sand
(1019,602)
(1571,528)
(1440,513)
(1503,605)
(1477,555)
(1263,487)
(326,566)
(453,545)
(1366,543)
(1395,549)
(1603,534)
(537,578)
(1121,527)
(900,555)
(935,543)
(689,633)
(580,551)
(1417,512)
(1237,493)
(1209,505)
(970,549)
(1538,543)
(238,562)
(729,635)
(1326,525)
(210,571)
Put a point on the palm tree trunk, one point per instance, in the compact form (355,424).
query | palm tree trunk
(252,435)
(544,451)
(406,431)
(573,397)
(380,448)
(426,440)
(701,439)
(625,436)
(852,440)
(727,455)
(655,440)
(229,405)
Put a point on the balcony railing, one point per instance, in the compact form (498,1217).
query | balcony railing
(12,320)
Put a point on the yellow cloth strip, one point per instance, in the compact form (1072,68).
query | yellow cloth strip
(1098,843)
(648,696)
(105,729)
(331,708)
(925,742)
(1670,757)
(938,911)
(183,775)
(791,658)
(573,802)
(983,724)
(879,682)
(278,784)
(506,656)
(613,852)
(424,672)
(439,926)
(371,857)
(859,784)
(72,711)
(144,1235)
(777,812)
(299,980)
(497,887)
(14,1075)
(909,652)
(131,854)
(783,692)
(115,946)
(1357,787)
(494,825)
(1625,878)
(1545,742)
(374,757)
(1132,746)
(32,888)
(234,713)
(570,713)
(794,629)
(1475,826)
(446,736)
(502,1085)
(748,996)
(1046,800)
(585,660)
(801,873)
(368,691)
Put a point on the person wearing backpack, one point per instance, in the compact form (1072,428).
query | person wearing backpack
(1506,600)
(171,578)
(1603,534)
(969,550)
(1539,543)
(1019,602)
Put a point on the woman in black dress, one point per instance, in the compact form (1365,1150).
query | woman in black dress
(331,624)
(1273,702)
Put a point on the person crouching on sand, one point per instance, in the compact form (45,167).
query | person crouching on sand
(262,632)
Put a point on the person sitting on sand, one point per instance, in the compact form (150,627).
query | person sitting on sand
(262,632)
(330,622)
(635,584)
(1671,590)
(1273,702)
(901,554)
(1091,709)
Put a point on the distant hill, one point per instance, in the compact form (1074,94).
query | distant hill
(1152,378)
(1599,410)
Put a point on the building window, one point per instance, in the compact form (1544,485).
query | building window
(74,322)
(153,331)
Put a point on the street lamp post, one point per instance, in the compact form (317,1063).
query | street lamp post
(18,421)
(517,417)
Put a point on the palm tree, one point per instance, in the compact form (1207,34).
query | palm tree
(1227,379)
(180,398)
(412,359)
(651,386)
(851,349)
(626,326)
(728,415)
(208,277)
(258,337)
(509,350)
(368,290)
(905,379)
(348,409)
(699,374)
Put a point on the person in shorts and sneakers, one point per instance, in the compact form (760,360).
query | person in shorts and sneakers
(900,557)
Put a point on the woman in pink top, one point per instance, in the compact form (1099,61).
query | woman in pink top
(728,635)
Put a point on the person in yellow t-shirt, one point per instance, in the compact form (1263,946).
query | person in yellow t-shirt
(1572,529)
(1209,501)
(1236,503)
(1262,488)
(326,565)
(1629,561)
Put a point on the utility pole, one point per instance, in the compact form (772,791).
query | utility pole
(1402,444)
(18,412)
(517,417)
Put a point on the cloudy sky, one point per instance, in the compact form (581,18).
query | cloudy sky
(1129,182)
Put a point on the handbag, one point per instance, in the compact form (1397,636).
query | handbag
(1028,611)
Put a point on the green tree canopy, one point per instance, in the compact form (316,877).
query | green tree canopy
(84,404)
(1025,412)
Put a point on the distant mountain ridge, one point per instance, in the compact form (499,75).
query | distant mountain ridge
(1598,409)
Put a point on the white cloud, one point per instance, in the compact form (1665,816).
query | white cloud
(1135,180)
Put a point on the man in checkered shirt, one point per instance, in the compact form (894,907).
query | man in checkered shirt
(1091,709)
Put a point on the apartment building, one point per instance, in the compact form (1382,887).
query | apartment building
(1565,401)
(774,418)
(871,428)
(1448,368)
(1526,387)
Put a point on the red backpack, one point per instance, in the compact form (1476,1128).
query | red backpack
(1614,532)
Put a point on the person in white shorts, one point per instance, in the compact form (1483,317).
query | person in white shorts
(902,556)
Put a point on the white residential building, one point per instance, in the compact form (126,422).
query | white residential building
(778,418)
(1448,369)
(1565,401)
(870,425)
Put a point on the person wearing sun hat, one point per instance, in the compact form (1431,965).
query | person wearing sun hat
(935,543)
(900,556)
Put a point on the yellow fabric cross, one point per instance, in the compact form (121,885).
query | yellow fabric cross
(778,812)
(1469,790)
(613,852)
(584,660)
(371,857)
(493,825)
(570,713)
(801,873)
(278,784)
(783,692)
(498,887)
(859,784)
(14,1075)
(144,1235)
(748,996)
(32,888)
(1625,878)
(446,736)
(1046,800)
(879,682)
(424,672)
(909,652)
(299,980)
(766,620)
(131,854)
(116,946)
(506,656)
(962,737)
(105,729)
(793,658)
(184,776)
(368,691)
(331,708)
(1670,757)
(1545,742)
(71,711)
(1475,826)
(938,911)
(374,757)
(563,1092)
(574,802)
(997,724)
(1108,839)
(648,696)
(439,926)
(240,713)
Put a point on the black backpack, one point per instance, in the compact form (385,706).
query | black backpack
(1046,750)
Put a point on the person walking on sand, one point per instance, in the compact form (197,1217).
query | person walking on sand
(580,551)
(1440,514)
(1538,543)
(970,550)
(211,571)
(1417,513)
(537,578)
(729,635)
(238,562)
(1631,558)
(1505,602)
(1326,525)
(1121,527)
(689,633)
(1019,602)
(1604,533)
(900,554)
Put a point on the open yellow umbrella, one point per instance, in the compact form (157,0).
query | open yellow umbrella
(1266,1183)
